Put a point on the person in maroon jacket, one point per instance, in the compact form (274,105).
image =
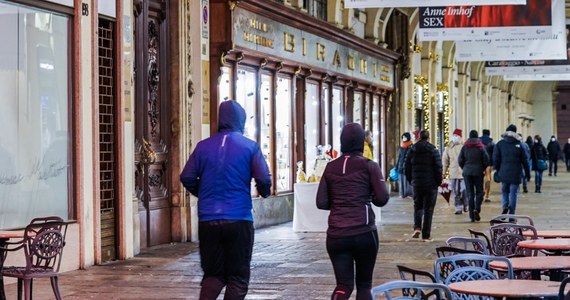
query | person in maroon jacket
(349,186)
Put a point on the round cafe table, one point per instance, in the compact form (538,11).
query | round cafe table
(513,288)
(549,234)
(557,246)
(536,264)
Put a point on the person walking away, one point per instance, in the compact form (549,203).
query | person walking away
(405,188)
(219,172)
(539,152)
(526,149)
(348,188)
(368,147)
(489,144)
(450,164)
(509,159)
(473,160)
(554,150)
(424,171)
(566,152)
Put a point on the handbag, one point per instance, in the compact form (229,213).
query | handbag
(394,176)
(541,164)
(496,177)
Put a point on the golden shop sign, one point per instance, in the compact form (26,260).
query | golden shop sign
(255,32)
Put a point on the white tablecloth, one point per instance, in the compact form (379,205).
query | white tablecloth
(306,216)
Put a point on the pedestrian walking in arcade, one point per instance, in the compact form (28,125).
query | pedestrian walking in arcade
(539,156)
(510,160)
(450,164)
(554,150)
(566,152)
(487,140)
(405,188)
(473,159)
(350,185)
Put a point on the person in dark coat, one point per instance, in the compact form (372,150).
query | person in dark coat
(350,185)
(538,152)
(405,188)
(566,152)
(526,149)
(510,160)
(219,172)
(487,140)
(473,160)
(424,171)
(554,150)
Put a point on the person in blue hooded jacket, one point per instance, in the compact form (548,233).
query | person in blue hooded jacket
(219,173)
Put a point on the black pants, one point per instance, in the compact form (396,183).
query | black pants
(474,188)
(225,255)
(424,204)
(347,254)
(553,165)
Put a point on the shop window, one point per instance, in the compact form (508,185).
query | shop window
(316,8)
(283,135)
(375,128)
(357,108)
(266,93)
(34,95)
(337,118)
(312,129)
(327,111)
(225,87)
(246,97)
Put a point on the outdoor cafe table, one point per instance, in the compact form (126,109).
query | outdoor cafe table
(549,234)
(554,245)
(4,237)
(536,264)
(512,288)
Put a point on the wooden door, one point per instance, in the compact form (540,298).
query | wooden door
(152,140)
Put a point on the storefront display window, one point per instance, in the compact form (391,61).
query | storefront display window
(357,108)
(311,125)
(376,127)
(225,87)
(283,134)
(246,97)
(326,107)
(265,135)
(34,96)
(337,117)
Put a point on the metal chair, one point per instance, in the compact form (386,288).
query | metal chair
(508,218)
(444,251)
(484,237)
(468,243)
(393,289)
(43,242)
(462,267)
(562,295)
(407,273)
(505,236)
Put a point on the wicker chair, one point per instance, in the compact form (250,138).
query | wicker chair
(392,290)
(43,242)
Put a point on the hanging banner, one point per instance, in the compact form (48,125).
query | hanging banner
(453,23)
(550,47)
(513,67)
(537,77)
(420,3)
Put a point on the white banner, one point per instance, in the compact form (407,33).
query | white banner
(527,69)
(459,23)
(537,77)
(551,47)
(420,3)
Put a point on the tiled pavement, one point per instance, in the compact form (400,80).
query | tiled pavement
(289,265)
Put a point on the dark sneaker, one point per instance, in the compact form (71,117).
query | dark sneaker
(487,200)
(458,212)
(477,217)
(416,234)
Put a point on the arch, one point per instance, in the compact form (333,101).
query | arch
(373,24)
(334,12)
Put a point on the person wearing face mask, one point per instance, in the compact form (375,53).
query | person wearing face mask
(538,153)
(451,165)
(554,150)
(404,186)
(566,152)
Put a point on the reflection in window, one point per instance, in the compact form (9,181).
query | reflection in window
(367,109)
(337,118)
(311,126)
(34,139)
(245,96)
(283,134)
(265,139)
(375,128)
(225,87)
(326,107)
(357,108)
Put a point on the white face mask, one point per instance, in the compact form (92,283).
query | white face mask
(404,139)
(535,141)
(455,139)
(553,139)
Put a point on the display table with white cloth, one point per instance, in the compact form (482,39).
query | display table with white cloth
(306,216)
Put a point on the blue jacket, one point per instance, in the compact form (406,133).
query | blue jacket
(220,169)
(510,159)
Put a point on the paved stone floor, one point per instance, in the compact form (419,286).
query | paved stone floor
(289,265)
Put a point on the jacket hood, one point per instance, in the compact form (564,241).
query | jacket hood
(486,139)
(352,138)
(423,146)
(473,143)
(231,116)
(511,137)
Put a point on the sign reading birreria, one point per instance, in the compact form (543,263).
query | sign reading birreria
(255,32)
(453,23)
(420,3)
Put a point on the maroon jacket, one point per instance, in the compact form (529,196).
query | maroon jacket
(349,185)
